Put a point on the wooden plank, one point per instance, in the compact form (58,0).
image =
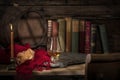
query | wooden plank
(76,10)
(68,10)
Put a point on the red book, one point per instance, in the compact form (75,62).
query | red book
(87,36)
(82,36)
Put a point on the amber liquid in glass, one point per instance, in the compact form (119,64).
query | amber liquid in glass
(54,53)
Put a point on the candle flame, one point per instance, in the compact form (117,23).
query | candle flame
(11,27)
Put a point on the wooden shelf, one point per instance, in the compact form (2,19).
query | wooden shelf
(70,70)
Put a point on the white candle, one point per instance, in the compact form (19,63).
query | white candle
(12,41)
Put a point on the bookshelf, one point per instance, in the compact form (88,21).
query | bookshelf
(100,12)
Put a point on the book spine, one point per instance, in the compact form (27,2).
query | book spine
(98,41)
(87,36)
(55,34)
(68,34)
(75,35)
(82,37)
(93,38)
(103,36)
(61,33)
(49,34)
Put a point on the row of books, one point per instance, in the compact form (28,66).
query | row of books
(76,35)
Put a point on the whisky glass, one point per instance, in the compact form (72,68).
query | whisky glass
(55,49)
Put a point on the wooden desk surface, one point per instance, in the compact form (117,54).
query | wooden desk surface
(70,70)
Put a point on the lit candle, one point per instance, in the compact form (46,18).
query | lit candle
(12,41)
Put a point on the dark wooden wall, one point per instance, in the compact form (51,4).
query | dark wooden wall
(67,7)
(104,11)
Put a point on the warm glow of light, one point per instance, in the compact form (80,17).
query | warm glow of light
(11,27)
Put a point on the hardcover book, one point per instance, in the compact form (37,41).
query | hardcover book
(49,33)
(98,41)
(75,35)
(93,38)
(87,36)
(61,33)
(55,34)
(68,33)
(82,37)
(104,39)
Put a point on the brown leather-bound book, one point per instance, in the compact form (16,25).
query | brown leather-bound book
(55,34)
(68,33)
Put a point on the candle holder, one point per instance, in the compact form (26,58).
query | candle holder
(12,65)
